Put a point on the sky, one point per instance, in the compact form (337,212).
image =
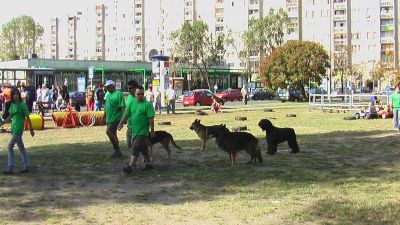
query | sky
(41,10)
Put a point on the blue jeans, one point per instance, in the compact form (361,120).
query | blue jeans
(17,139)
(98,105)
(396,118)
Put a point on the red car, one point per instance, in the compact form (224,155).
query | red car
(199,97)
(230,95)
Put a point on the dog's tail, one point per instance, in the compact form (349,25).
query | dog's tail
(258,154)
(174,144)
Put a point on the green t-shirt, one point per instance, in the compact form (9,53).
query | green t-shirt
(18,112)
(139,118)
(114,106)
(395,98)
(130,101)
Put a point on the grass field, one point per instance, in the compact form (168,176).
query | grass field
(348,172)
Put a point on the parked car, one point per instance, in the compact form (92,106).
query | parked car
(318,91)
(292,95)
(78,97)
(230,95)
(199,97)
(283,95)
(261,94)
(366,90)
(297,95)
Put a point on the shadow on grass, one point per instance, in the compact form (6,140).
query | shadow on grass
(70,176)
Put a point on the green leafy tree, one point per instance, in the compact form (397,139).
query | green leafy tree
(267,33)
(196,47)
(19,37)
(294,64)
(262,37)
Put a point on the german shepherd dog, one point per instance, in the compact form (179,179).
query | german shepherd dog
(204,132)
(164,138)
(275,135)
(232,142)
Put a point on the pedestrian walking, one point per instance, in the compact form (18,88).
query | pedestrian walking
(113,112)
(395,105)
(18,112)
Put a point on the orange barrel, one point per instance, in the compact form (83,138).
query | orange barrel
(98,115)
(59,116)
(37,122)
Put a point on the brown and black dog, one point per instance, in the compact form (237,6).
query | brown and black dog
(204,132)
(233,142)
(164,138)
(276,135)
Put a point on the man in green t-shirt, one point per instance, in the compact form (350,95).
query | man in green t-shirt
(113,112)
(395,105)
(141,118)
(130,101)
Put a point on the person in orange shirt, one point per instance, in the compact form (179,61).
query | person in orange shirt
(6,95)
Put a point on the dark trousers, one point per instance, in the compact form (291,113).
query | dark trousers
(171,105)
(6,108)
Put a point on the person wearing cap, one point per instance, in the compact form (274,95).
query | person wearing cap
(113,112)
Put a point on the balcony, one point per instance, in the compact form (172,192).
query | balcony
(293,26)
(386,3)
(387,28)
(293,14)
(387,40)
(388,15)
(254,6)
(291,3)
(339,6)
(341,17)
(340,30)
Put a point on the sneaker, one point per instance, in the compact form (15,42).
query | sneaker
(396,129)
(148,167)
(127,169)
(8,172)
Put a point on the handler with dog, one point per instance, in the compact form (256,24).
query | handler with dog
(141,117)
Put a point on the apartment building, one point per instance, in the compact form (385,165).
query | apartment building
(367,31)
(100,32)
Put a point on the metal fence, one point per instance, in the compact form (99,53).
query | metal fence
(346,102)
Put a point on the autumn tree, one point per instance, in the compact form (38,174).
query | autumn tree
(19,37)
(294,64)
(262,37)
(195,46)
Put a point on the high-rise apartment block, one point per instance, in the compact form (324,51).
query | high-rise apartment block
(367,31)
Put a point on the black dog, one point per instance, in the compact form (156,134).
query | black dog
(232,142)
(277,135)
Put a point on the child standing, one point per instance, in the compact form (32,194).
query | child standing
(18,112)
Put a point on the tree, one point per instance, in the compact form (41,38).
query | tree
(267,33)
(195,46)
(379,72)
(262,37)
(341,63)
(19,37)
(294,64)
